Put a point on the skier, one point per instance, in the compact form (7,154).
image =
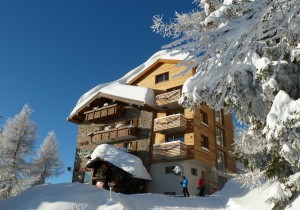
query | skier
(185,183)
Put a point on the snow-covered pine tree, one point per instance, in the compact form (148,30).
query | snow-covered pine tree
(47,163)
(17,141)
(247,55)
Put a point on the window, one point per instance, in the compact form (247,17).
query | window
(175,111)
(174,88)
(169,169)
(87,177)
(221,182)
(194,172)
(203,117)
(219,117)
(204,142)
(220,137)
(221,164)
(128,146)
(161,77)
(178,137)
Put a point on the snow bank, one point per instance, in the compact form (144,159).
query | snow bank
(87,197)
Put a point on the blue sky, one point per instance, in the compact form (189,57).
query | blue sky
(51,52)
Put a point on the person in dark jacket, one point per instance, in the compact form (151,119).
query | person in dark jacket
(185,184)
(201,186)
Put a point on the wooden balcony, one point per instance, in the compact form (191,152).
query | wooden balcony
(170,124)
(104,113)
(169,100)
(175,150)
(115,135)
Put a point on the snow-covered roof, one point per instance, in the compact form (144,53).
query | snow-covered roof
(121,159)
(141,94)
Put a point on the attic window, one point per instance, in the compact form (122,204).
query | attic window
(162,77)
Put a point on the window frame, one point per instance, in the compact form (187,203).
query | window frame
(175,111)
(203,117)
(223,162)
(87,176)
(204,142)
(169,169)
(194,171)
(162,77)
(174,135)
(220,141)
(128,146)
(219,117)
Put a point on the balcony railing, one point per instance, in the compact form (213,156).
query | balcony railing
(105,112)
(169,100)
(116,134)
(170,124)
(175,150)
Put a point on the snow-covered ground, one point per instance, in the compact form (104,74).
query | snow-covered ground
(78,196)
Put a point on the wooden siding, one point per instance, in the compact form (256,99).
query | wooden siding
(209,130)
(148,79)
(229,137)
(207,156)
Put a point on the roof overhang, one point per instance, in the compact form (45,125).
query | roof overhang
(121,159)
(78,117)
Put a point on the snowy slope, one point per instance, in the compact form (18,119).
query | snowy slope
(77,196)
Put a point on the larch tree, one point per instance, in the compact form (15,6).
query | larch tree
(247,58)
(17,142)
(47,163)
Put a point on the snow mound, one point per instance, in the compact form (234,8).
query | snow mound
(128,162)
(87,197)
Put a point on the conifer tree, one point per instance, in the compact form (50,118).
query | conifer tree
(17,141)
(47,163)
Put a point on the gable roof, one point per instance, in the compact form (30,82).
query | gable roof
(145,95)
(152,68)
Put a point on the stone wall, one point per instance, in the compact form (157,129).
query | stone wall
(144,139)
(85,147)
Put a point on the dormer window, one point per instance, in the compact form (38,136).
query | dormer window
(162,77)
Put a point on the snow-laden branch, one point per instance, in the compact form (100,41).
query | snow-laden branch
(247,58)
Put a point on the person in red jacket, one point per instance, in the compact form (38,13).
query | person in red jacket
(201,186)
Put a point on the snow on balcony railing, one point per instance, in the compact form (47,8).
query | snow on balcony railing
(169,98)
(123,133)
(176,122)
(175,150)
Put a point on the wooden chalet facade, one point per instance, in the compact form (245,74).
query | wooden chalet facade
(199,141)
